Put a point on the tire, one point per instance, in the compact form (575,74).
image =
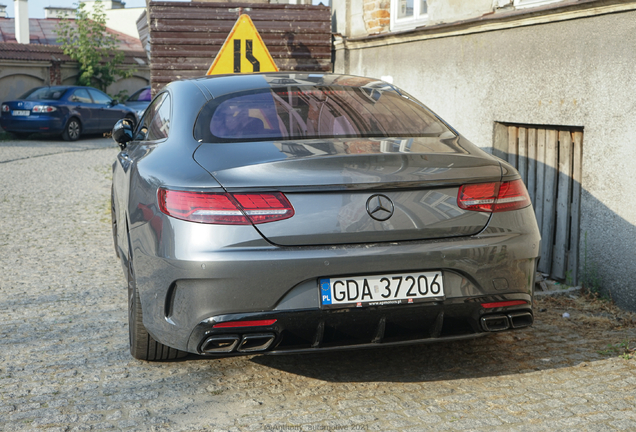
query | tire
(73,130)
(142,345)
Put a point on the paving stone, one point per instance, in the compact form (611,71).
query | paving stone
(65,365)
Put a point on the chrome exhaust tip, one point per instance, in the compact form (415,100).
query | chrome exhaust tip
(494,323)
(520,319)
(256,342)
(220,344)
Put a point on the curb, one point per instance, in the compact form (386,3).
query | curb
(557,293)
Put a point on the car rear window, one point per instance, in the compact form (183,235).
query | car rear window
(44,93)
(297,112)
(143,95)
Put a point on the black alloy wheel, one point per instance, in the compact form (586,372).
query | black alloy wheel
(72,130)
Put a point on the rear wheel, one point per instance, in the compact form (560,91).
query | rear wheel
(72,130)
(142,345)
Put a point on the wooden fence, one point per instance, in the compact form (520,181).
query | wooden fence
(549,161)
(186,36)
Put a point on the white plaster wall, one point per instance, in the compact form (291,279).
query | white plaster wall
(124,20)
(445,11)
(578,73)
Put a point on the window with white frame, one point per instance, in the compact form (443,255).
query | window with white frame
(520,4)
(408,14)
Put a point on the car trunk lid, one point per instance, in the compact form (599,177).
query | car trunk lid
(358,190)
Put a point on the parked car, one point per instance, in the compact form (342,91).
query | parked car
(286,213)
(69,111)
(139,100)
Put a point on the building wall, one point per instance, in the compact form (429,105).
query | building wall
(124,20)
(574,72)
(16,77)
(440,11)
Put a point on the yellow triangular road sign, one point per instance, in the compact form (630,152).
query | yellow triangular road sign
(243,51)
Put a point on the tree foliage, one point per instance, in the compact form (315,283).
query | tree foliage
(87,41)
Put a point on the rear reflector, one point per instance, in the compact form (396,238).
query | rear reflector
(493,197)
(504,304)
(258,323)
(224,208)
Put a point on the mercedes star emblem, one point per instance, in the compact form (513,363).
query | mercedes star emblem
(380,207)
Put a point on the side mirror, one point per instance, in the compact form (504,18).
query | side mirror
(123,132)
(113,102)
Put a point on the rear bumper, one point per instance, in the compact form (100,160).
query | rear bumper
(299,331)
(32,124)
(195,279)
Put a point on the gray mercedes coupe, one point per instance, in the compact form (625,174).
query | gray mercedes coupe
(288,213)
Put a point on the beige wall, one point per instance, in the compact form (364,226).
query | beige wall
(444,11)
(16,77)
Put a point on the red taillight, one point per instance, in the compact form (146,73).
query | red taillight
(5,108)
(44,109)
(223,208)
(493,197)
(504,304)
(258,323)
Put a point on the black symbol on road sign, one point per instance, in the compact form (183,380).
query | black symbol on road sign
(256,65)
(250,57)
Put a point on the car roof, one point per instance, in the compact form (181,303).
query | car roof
(218,85)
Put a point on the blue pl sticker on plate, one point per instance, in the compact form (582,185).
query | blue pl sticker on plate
(325,291)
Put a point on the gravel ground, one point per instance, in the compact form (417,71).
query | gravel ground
(64,361)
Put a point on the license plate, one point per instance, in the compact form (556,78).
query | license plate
(21,112)
(378,290)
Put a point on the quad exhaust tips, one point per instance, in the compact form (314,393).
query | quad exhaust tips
(251,342)
(220,344)
(514,320)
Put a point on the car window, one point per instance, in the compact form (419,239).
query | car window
(81,96)
(155,123)
(298,112)
(44,93)
(160,124)
(143,95)
(99,97)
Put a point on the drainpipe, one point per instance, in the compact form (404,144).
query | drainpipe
(22,34)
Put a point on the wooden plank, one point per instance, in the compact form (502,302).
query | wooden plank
(532,162)
(540,180)
(500,140)
(210,52)
(573,253)
(202,26)
(561,244)
(522,160)
(549,197)
(169,5)
(210,38)
(512,146)
(256,15)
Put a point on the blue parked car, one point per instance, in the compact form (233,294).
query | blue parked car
(68,111)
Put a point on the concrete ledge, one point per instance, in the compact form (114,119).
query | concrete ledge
(558,292)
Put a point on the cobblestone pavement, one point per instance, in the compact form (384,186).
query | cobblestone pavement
(64,361)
